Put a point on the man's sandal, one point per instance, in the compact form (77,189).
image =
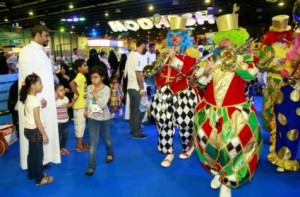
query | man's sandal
(45,180)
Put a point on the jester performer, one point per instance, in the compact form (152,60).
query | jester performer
(227,136)
(285,123)
(175,98)
(276,43)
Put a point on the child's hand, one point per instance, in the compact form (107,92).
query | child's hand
(92,88)
(45,139)
(67,90)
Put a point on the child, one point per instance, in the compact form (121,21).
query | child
(116,96)
(79,86)
(98,117)
(62,105)
(34,130)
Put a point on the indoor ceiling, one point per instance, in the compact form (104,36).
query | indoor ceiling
(254,14)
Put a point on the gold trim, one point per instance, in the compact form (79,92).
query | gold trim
(279,98)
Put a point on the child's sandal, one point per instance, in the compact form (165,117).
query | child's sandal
(45,180)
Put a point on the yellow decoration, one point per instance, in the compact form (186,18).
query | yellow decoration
(227,22)
(293,135)
(282,119)
(292,165)
(295,96)
(194,53)
(279,98)
(284,153)
(280,23)
(298,111)
(178,23)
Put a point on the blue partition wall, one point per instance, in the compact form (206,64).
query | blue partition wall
(5,82)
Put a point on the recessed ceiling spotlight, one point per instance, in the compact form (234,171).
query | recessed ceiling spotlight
(30,13)
(106,14)
(207,1)
(151,7)
(73,27)
(71,6)
(118,10)
(281,3)
(97,24)
(220,10)
(6,20)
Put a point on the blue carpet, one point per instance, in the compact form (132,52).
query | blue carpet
(136,171)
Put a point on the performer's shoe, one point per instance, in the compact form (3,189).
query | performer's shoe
(280,169)
(215,182)
(225,191)
(167,161)
(187,154)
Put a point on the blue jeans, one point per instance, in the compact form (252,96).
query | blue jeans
(63,134)
(97,127)
(136,116)
(35,154)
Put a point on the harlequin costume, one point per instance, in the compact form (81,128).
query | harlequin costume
(227,137)
(277,41)
(285,125)
(175,99)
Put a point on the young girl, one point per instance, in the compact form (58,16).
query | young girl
(34,130)
(62,105)
(98,114)
(116,96)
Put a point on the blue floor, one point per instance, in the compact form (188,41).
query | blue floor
(136,171)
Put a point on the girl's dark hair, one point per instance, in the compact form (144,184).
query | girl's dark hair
(29,80)
(58,85)
(101,72)
(113,77)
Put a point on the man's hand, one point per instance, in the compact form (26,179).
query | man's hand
(45,139)
(43,103)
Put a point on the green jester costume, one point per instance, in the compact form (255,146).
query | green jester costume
(227,134)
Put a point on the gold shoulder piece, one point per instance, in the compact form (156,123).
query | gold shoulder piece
(194,53)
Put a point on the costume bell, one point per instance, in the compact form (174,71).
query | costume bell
(276,44)
(227,137)
(285,125)
(175,98)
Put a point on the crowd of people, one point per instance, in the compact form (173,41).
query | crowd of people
(204,98)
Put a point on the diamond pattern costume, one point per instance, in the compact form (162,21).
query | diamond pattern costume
(227,133)
(174,103)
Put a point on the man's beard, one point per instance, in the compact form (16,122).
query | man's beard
(144,51)
(45,44)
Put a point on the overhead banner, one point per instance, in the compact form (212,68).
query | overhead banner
(148,23)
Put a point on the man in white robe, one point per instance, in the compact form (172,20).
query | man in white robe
(33,59)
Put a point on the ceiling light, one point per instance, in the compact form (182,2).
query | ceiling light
(106,14)
(220,10)
(6,20)
(207,1)
(62,29)
(151,7)
(118,10)
(82,19)
(71,32)
(30,13)
(71,6)
(281,3)
(203,28)
(73,27)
